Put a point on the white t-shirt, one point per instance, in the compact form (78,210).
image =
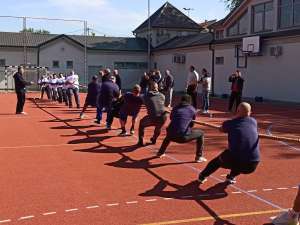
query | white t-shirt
(73,81)
(193,78)
(206,83)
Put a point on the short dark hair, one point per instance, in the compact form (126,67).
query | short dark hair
(186,99)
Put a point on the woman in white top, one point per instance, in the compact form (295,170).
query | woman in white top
(73,88)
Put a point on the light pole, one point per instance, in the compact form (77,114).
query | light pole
(149,38)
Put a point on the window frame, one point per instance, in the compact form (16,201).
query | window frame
(240,57)
(237,22)
(264,18)
(68,67)
(293,16)
(55,61)
(223,60)
(4,62)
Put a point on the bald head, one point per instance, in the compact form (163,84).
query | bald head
(244,109)
(154,87)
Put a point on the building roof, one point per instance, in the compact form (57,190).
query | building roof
(187,41)
(168,16)
(9,39)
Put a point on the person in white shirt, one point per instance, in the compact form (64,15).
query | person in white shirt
(192,85)
(53,84)
(73,88)
(44,84)
(206,89)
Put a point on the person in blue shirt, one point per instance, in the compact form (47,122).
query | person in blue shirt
(131,107)
(180,129)
(91,98)
(108,93)
(243,154)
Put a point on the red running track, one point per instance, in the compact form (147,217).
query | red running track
(57,169)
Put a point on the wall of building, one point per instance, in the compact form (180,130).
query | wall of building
(275,78)
(15,56)
(200,57)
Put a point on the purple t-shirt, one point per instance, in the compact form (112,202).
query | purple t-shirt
(243,139)
(132,104)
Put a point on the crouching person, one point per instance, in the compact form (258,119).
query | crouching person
(242,155)
(180,129)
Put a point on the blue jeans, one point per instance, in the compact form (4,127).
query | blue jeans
(99,114)
(205,100)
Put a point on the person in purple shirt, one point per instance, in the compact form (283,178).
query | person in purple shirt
(109,91)
(242,155)
(131,107)
(91,98)
(180,129)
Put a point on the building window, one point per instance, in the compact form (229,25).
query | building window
(2,62)
(289,13)
(241,58)
(219,34)
(262,17)
(240,27)
(69,64)
(220,60)
(131,65)
(55,64)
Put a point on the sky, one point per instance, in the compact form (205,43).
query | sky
(105,17)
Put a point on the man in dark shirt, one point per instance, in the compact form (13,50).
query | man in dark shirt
(145,80)
(109,91)
(236,89)
(168,88)
(180,129)
(131,107)
(242,155)
(155,104)
(91,98)
(20,88)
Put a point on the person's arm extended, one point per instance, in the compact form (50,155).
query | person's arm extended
(24,82)
(225,127)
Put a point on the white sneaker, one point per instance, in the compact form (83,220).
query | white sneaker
(202,181)
(200,159)
(289,217)
(131,132)
(82,116)
(230,180)
(24,113)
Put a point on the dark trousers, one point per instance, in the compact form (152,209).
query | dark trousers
(20,102)
(192,91)
(196,134)
(54,94)
(148,121)
(111,115)
(65,96)
(60,94)
(225,160)
(235,97)
(75,92)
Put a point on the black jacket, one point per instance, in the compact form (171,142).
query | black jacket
(239,81)
(118,81)
(20,83)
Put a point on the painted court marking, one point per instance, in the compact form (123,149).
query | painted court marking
(237,215)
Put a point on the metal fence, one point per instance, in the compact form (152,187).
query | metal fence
(31,73)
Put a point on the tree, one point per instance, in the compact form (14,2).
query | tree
(231,4)
(31,30)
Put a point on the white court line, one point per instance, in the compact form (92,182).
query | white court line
(26,217)
(282,188)
(5,221)
(236,192)
(48,213)
(113,204)
(167,199)
(252,191)
(133,202)
(71,210)
(268,189)
(151,200)
(92,207)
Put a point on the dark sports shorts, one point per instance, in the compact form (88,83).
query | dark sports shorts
(124,116)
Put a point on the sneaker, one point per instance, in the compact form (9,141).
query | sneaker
(201,180)
(153,141)
(123,133)
(230,180)
(108,127)
(289,217)
(160,155)
(23,113)
(131,132)
(97,122)
(81,116)
(200,159)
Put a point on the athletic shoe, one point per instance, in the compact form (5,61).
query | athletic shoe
(201,180)
(23,113)
(131,132)
(230,180)
(159,155)
(97,122)
(289,217)
(108,127)
(82,116)
(200,159)
(123,133)
(153,141)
